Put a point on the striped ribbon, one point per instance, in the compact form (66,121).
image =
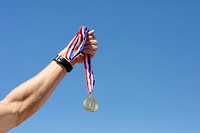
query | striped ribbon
(71,54)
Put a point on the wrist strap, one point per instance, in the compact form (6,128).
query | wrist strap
(61,60)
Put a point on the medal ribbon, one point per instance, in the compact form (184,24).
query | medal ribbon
(71,55)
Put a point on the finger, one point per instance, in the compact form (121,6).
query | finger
(91,37)
(91,42)
(90,32)
(89,52)
(91,47)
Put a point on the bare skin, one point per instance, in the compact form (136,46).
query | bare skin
(28,97)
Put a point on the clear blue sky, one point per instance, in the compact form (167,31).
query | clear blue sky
(147,68)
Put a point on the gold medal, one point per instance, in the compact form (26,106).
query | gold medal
(90,104)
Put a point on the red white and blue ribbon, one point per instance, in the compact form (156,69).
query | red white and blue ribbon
(71,54)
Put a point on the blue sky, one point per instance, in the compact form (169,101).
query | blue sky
(147,68)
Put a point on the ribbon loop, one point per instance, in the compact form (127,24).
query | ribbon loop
(72,53)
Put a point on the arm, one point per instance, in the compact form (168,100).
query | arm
(27,98)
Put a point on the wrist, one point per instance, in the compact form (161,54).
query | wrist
(63,62)
(71,62)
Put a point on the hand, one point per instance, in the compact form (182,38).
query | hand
(90,48)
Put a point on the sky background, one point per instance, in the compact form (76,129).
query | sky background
(147,68)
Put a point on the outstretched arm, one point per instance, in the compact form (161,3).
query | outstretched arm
(27,98)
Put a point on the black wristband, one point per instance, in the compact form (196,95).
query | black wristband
(61,60)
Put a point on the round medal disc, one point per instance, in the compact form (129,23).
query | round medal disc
(90,104)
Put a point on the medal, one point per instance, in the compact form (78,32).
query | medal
(90,104)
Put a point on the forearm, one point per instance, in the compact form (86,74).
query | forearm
(31,95)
